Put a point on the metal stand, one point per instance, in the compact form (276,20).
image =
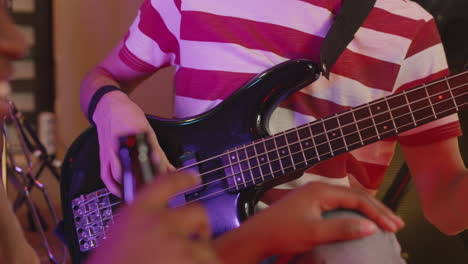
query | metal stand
(398,188)
(26,179)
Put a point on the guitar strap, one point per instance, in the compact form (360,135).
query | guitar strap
(347,22)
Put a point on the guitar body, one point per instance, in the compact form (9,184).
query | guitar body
(240,119)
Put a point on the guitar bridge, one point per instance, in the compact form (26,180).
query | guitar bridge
(93,214)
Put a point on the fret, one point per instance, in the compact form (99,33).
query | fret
(295,148)
(231,180)
(359,132)
(451,93)
(266,168)
(462,99)
(373,121)
(313,142)
(320,140)
(349,130)
(237,169)
(409,106)
(405,122)
(342,134)
(259,162)
(398,105)
(335,136)
(400,111)
(240,169)
(423,115)
(301,148)
(365,125)
(244,165)
(458,80)
(330,123)
(292,136)
(253,164)
(283,152)
(383,119)
(386,129)
(328,139)
(391,116)
(298,157)
(338,145)
(441,98)
(459,88)
(443,103)
(416,95)
(420,106)
(272,152)
(380,112)
(307,144)
(430,102)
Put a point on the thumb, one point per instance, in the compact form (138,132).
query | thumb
(339,229)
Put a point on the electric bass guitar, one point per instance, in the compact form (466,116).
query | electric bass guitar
(237,158)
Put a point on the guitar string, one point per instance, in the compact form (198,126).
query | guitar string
(272,173)
(323,120)
(231,188)
(244,147)
(352,110)
(112,216)
(257,178)
(96,235)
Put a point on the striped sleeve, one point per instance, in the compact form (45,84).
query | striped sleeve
(152,39)
(424,62)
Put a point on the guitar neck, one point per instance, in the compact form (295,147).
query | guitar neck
(302,147)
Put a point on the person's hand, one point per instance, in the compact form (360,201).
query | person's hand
(116,115)
(147,231)
(295,223)
(298,220)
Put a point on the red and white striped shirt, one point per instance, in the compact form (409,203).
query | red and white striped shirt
(217,46)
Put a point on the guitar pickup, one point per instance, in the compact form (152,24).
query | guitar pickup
(187,160)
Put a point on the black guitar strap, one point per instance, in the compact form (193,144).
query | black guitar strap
(347,22)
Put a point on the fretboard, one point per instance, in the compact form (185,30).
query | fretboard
(302,147)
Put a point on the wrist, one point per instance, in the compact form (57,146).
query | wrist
(101,95)
(108,105)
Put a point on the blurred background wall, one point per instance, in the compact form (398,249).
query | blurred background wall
(84,32)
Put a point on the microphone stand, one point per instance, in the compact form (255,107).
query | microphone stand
(32,149)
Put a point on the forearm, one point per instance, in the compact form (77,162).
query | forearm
(449,211)
(441,180)
(111,71)
(95,79)
(245,245)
